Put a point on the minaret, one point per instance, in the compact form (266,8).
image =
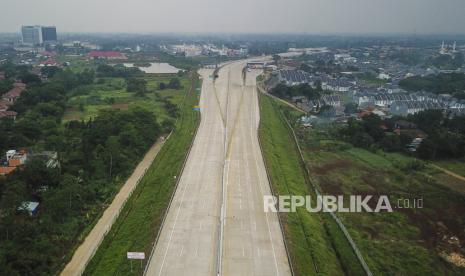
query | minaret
(442,48)
(454,46)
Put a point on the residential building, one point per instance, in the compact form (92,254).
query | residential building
(110,55)
(31,207)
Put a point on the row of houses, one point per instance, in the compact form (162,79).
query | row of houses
(411,107)
(327,100)
(296,77)
(404,103)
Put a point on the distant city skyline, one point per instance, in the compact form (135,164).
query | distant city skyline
(239,16)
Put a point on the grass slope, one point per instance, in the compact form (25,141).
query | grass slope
(315,243)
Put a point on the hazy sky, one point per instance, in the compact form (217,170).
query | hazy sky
(251,16)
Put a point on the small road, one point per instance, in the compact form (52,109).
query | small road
(281,100)
(86,250)
(216,224)
(451,173)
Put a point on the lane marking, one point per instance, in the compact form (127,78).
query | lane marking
(196,152)
(260,181)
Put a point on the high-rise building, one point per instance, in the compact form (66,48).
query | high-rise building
(49,33)
(36,35)
(32,35)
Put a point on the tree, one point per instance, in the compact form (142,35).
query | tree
(136,85)
(391,143)
(276,59)
(174,83)
(49,71)
(350,108)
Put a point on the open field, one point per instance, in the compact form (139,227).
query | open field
(407,241)
(316,244)
(109,93)
(138,224)
(77,63)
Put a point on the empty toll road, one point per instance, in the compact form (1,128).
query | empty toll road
(216,224)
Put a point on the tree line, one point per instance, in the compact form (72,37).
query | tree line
(453,83)
(94,156)
(445,137)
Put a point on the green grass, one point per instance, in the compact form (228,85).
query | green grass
(139,222)
(371,79)
(316,245)
(77,63)
(456,166)
(406,241)
(110,93)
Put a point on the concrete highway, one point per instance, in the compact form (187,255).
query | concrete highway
(216,224)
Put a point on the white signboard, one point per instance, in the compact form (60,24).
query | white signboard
(136,255)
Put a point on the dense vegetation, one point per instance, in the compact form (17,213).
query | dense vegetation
(447,62)
(137,226)
(445,137)
(95,157)
(453,83)
(286,92)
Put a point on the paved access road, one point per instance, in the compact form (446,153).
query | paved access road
(216,222)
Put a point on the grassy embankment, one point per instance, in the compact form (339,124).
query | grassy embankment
(315,243)
(139,222)
(407,241)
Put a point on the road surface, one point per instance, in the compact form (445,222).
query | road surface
(86,250)
(216,224)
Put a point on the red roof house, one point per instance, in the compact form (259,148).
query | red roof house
(8,114)
(6,170)
(12,95)
(106,55)
(4,105)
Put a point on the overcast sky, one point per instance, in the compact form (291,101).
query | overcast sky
(245,16)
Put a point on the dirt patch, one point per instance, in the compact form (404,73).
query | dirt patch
(454,258)
(451,182)
(121,106)
(72,109)
(336,165)
(330,186)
